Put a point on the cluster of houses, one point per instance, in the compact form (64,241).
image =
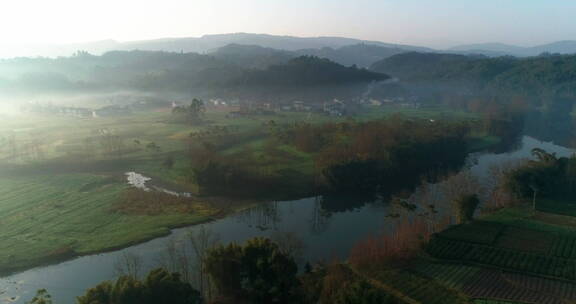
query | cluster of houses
(396,102)
(333,107)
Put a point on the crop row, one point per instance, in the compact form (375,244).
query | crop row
(487,301)
(479,283)
(420,288)
(563,289)
(492,284)
(452,276)
(564,247)
(503,258)
(480,232)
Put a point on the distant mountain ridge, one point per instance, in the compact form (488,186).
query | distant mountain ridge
(204,44)
(254,56)
(346,51)
(491,49)
(290,43)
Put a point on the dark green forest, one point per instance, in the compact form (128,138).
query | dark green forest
(173,72)
(545,76)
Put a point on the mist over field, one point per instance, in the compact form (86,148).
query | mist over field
(287,152)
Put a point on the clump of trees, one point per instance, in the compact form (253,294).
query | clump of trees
(388,154)
(547,176)
(540,76)
(465,207)
(256,272)
(383,156)
(42,297)
(159,286)
(192,114)
(248,172)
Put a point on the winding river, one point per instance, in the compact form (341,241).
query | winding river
(325,235)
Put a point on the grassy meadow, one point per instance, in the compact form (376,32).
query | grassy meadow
(58,189)
(46,218)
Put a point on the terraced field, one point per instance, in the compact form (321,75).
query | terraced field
(508,259)
(485,301)
(514,260)
(496,285)
(453,276)
(417,288)
(492,284)
(48,218)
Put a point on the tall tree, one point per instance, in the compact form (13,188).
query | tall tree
(258,272)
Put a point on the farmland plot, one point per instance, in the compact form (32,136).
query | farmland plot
(492,284)
(503,258)
(420,288)
(450,275)
(563,289)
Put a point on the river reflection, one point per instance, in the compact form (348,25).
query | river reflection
(328,227)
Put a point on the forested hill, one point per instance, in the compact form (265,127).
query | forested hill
(362,55)
(542,76)
(309,71)
(169,71)
(254,56)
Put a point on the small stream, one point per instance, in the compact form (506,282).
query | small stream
(140,181)
(325,234)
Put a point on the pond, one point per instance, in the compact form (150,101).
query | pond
(326,234)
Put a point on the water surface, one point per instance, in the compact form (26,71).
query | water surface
(326,234)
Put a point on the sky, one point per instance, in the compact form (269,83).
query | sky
(435,23)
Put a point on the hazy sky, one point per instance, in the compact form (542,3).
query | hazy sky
(425,22)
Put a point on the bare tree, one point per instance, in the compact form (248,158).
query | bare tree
(170,258)
(128,264)
(201,241)
(187,257)
(320,218)
(110,142)
(462,183)
(289,244)
(497,194)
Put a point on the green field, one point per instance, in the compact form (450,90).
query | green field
(563,207)
(512,256)
(57,190)
(46,218)
(511,240)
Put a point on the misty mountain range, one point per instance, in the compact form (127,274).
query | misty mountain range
(500,49)
(204,44)
(334,48)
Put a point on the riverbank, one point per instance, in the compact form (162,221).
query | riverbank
(49,219)
(57,205)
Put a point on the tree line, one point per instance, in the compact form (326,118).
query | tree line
(537,78)
(145,70)
(259,271)
(347,157)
